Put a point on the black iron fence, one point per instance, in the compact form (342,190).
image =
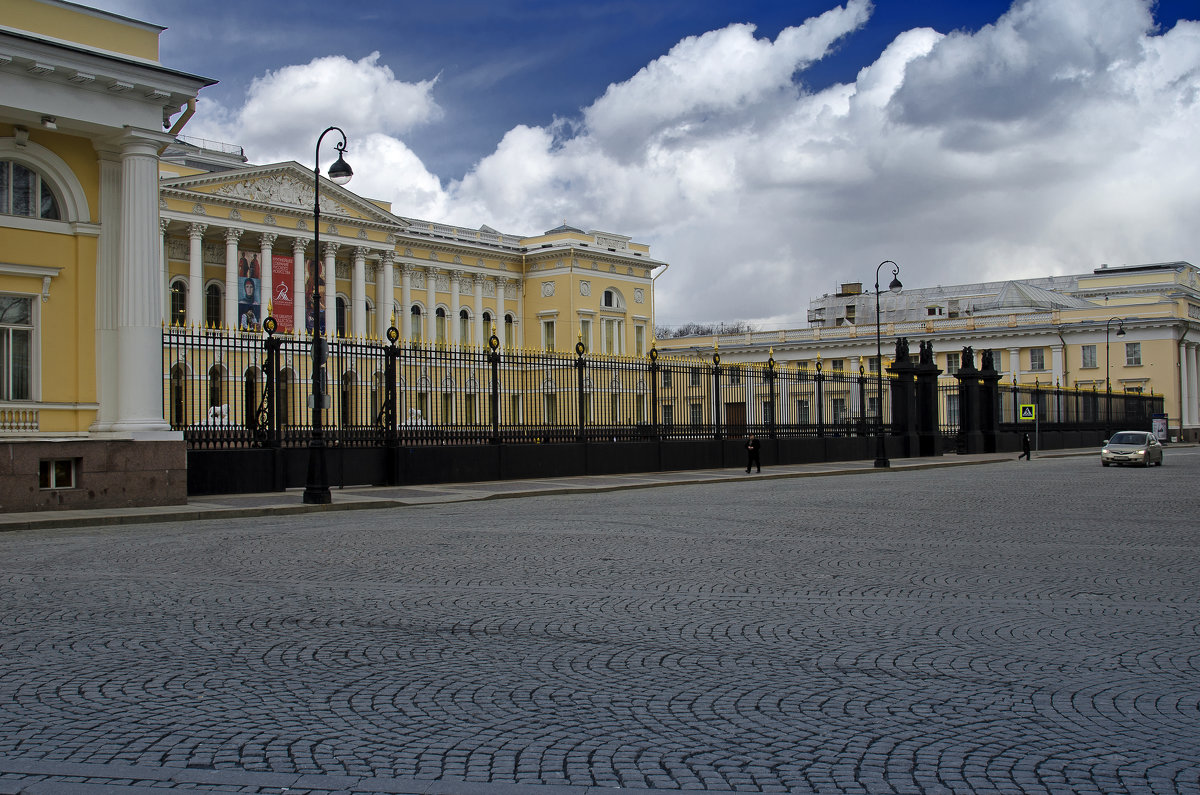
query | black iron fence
(252,389)
(1054,408)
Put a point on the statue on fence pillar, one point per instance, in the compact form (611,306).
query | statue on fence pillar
(989,363)
(926,352)
(902,350)
(968,358)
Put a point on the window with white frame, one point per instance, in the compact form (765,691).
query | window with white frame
(510,332)
(612,300)
(696,413)
(416,325)
(614,335)
(179,291)
(464,327)
(57,473)
(693,376)
(548,335)
(1088,353)
(639,340)
(668,414)
(16,347)
(23,191)
(1133,354)
(439,325)
(953,363)
(214,305)
(1037,358)
(802,412)
(339,315)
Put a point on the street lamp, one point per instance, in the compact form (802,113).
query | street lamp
(881,459)
(1108,370)
(316,488)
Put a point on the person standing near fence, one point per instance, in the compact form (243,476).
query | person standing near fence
(1025,446)
(752,447)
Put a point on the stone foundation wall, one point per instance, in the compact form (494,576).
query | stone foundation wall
(108,474)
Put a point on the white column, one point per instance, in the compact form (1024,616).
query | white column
(1056,363)
(331,250)
(358,292)
(520,313)
(108,256)
(383,295)
(481,333)
(195,298)
(299,246)
(1014,363)
(231,277)
(164,224)
(268,285)
(455,308)
(430,304)
(501,283)
(139,289)
(1193,380)
(405,301)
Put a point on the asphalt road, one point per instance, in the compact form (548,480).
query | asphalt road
(1008,627)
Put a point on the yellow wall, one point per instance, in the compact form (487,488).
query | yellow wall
(90,28)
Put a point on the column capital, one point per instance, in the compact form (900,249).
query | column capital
(269,238)
(163,223)
(480,278)
(331,249)
(387,257)
(233,235)
(361,252)
(196,231)
(299,244)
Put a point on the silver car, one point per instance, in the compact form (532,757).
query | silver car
(1132,447)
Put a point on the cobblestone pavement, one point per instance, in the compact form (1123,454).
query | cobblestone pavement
(1010,627)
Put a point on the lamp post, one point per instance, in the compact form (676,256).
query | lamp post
(316,487)
(1108,370)
(881,459)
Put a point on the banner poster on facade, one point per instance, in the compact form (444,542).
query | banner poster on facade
(249,290)
(283,306)
(308,293)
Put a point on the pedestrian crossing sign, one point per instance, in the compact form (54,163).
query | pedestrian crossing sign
(1028,412)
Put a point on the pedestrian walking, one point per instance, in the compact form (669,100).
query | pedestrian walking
(752,446)
(1024,448)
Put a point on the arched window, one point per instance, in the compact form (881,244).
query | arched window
(250,396)
(214,305)
(283,397)
(216,391)
(416,323)
(464,327)
(340,311)
(371,322)
(612,300)
(347,401)
(24,192)
(509,332)
(487,325)
(178,376)
(440,326)
(179,291)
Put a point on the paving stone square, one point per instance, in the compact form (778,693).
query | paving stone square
(1029,627)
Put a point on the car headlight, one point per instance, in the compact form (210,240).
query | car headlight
(1140,452)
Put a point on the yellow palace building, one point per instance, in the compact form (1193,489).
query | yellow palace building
(114,227)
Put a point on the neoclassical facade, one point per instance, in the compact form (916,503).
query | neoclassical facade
(1135,328)
(437,283)
(85,108)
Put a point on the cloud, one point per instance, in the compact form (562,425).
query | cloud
(1055,139)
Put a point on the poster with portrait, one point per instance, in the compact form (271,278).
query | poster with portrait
(248,265)
(313,267)
(283,304)
(249,302)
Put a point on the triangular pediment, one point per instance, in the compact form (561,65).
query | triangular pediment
(279,187)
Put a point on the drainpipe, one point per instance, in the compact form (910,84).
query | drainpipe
(183,119)
(654,307)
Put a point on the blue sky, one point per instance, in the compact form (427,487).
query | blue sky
(767,150)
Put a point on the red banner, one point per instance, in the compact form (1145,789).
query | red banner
(283,305)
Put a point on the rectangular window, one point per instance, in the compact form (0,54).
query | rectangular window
(447,409)
(548,335)
(839,409)
(551,402)
(666,378)
(1089,356)
(639,340)
(585,331)
(953,363)
(873,364)
(16,348)
(996,360)
(668,414)
(1037,358)
(469,410)
(514,409)
(873,406)
(952,410)
(464,330)
(837,365)
(696,412)
(735,375)
(768,411)
(639,408)
(57,474)
(802,412)
(694,376)
(1133,354)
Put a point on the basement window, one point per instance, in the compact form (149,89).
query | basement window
(57,473)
